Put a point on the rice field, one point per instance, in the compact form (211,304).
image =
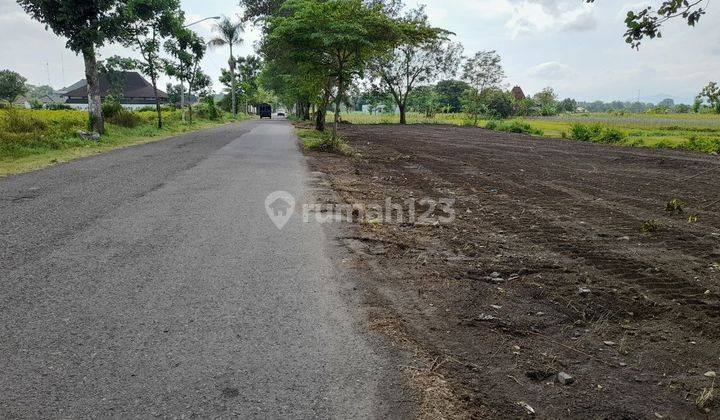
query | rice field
(698,132)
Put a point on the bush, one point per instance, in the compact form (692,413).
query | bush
(499,103)
(35,104)
(595,133)
(110,108)
(22,122)
(208,109)
(57,106)
(513,126)
(322,142)
(125,118)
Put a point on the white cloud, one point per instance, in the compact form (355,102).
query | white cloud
(551,71)
(532,17)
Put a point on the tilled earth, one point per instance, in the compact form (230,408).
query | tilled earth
(546,269)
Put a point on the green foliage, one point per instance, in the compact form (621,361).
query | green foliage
(567,105)
(15,121)
(334,39)
(125,118)
(546,101)
(111,107)
(450,93)
(323,142)
(57,106)
(12,85)
(208,109)
(595,133)
(682,108)
(526,108)
(709,97)
(483,71)
(513,126)
(500,104)
(35,104)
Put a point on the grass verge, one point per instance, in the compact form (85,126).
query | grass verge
(321,141)
(52,137)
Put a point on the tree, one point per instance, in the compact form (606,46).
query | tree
(229,34)
(450,92)
(147,22)
(86,25)
(710,96)
(187,50)
(481,72)
(39,91)
(647,22)
(246,78)
(424,56)
(546,99)
(113,69)
(472,104)
(568,105)
(12,85)
(341,36)
(425,99)
(498,102)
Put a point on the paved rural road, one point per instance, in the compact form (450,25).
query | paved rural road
(150,281)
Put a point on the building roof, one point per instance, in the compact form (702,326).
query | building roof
(78,84)
(134,87)
(518,93)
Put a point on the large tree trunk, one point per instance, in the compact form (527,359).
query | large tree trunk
(182,100)
(403,117)
(338,100)
(322,110)
(306,111)
(189,105)
(93,90)
(153,78)
(232,83)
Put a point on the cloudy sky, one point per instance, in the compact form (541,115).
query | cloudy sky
(574,47)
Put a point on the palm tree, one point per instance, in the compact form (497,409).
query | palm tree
(229,34)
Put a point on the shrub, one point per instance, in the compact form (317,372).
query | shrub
(499,103)
(57,106)
(125,118)
(35,104)
(595,133)
(208,109)
(110,108)
(513,126)
(22,122)
(322,142)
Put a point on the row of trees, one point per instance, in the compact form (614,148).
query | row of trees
(150,27)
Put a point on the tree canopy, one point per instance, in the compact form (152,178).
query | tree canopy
(12,85)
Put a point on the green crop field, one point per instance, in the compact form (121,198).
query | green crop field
(698,132)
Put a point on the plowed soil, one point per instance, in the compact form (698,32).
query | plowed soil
(545,270)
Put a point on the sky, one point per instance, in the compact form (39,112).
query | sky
(574,47)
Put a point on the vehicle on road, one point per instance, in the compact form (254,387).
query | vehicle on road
(281,114)
(265,110)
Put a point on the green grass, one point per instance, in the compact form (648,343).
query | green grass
(33,139)
(698,132)
(315,140)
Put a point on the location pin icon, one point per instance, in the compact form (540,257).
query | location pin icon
(280,207)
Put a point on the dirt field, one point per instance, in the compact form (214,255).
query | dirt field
(545,270)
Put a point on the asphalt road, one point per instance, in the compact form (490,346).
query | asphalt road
(150,281)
